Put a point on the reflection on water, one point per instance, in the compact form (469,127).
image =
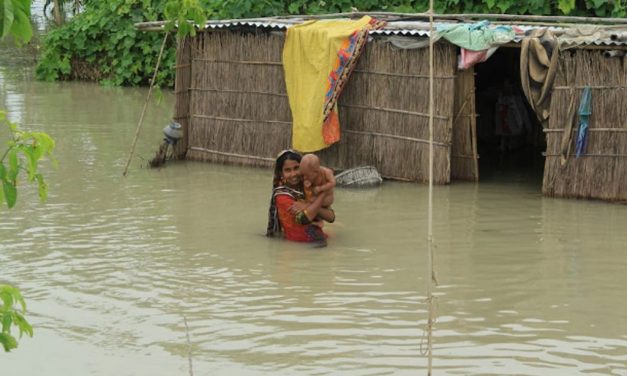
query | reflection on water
(111,265)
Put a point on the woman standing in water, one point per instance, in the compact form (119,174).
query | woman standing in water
(289,214)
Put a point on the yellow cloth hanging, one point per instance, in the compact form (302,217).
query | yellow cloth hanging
(313,56)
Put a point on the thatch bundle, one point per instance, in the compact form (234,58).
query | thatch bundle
(601,172)
(239,112)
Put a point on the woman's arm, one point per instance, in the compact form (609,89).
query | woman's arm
(315,209)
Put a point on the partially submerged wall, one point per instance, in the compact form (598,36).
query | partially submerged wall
(601,172)
(238,109)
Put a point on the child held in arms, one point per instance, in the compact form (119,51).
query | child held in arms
(317,180)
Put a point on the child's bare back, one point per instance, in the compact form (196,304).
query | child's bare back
(318,179)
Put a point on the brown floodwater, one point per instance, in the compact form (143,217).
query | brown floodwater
(111,267)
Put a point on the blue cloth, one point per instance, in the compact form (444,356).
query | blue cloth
(585,110)
(477,36)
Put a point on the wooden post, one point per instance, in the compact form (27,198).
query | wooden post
(141,118)
(430,272)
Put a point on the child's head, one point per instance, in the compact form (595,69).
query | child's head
(310,166)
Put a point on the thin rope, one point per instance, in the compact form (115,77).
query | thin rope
(141,118)
(189,347)
(430,274)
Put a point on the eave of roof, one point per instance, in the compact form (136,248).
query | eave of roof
(404,27)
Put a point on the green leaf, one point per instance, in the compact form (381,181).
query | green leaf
(22,325)
(21,28)
(13,165)
(7,297)
(7,17)
(294,8)
(42,187)
(10,193)
(7,320)
(30,153)
(566,6)
(44,142)
(8,342)
(9,316)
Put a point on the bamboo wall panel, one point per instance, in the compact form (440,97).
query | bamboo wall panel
(370,100)
(241,113)
(602,172)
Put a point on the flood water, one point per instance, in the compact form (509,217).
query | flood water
(113,267)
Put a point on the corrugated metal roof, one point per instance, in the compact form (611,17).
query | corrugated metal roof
(406,28)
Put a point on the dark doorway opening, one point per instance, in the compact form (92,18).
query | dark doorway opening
(510,140)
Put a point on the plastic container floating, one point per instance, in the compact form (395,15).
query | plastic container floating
(359,177)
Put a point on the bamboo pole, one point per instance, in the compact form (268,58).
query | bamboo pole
(241,120)
(598,87)
(189,348)
(430,203)
(404,138)
(215,90)
(141,118)
(251,62)
(57,12)
(590,155)
(473,139)
(395,16)
(464,156)
(383,109)
(589,130)
(403,75)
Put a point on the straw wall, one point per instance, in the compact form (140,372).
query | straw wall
(602,172)
(384,113)
(239,109)
(240,112)
(464,163)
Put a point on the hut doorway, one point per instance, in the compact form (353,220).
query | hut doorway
(510,140)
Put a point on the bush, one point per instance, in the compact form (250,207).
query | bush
(102,44)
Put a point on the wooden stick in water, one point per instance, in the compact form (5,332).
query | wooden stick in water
(141,118)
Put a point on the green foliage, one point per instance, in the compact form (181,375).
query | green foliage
(102,44)
(179,12)
(15,20)
(226,9)
(23,153)
(12,317)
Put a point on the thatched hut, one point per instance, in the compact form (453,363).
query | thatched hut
(232,102)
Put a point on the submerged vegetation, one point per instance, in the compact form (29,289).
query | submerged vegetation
(15,20)
(101,43)
(21,152)
(11,316)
